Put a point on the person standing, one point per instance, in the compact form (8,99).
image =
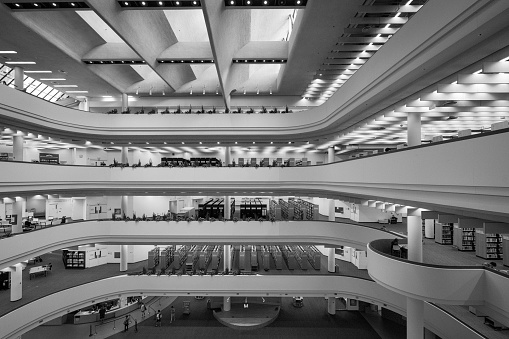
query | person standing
(135,325)
(159,317)
(102,313)
(172,314)
(126,323)
(143,309)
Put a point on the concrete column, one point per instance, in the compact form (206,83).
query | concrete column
(414,316)
(332,210)
(413,129)
(227,209)
(16,282)
(17,209)
(331,260)
(124,155)
(330,155)
(414,229)
(227,259)
(125,102)
(19,77)
(331,305)
(84,105)
(429,228)
(123,258)
(227,304)
(122,301)
(17,147)
(227,155)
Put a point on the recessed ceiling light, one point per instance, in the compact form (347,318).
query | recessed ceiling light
(36,5)
(52,79)
(200,142)
(160,3)
(183,143)
(143,3)
(20,62)
(76,91)
(8,52)
(38,72)
(177,3)
(126,3)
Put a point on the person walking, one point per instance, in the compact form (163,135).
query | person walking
(159,317)
(172,314)
(126,323)
(102,313)
(135,325)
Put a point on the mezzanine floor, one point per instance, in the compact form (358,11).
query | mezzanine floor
(60,279)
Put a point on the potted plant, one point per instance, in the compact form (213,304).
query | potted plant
(235,219)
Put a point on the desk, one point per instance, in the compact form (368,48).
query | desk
(38,270)
(404,251)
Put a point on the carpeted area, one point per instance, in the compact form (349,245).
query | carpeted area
(310,321)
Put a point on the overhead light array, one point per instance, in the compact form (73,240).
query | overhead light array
(50,5)
(114,62)
(369,31)
(160,4)
(260,61)
(265,3)
(185,61)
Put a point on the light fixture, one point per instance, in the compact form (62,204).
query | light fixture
(191,91)
(254,142)
(58,86)
(271,142)
(200,142)
(177,3)
(183,143)
(257,90)
(36,5)
(8,52)
(265,2)
(20,62)
(232,2)
(137,90)
(217,89)
(248,2)
(150,91)
(54,4)
(244,91)
(76,91)
(218,143)
(160,3)
(235,143)
(38,72)
(163,92)
(143,3)
(270,91)
(52,79)
(203,89)
(126,3)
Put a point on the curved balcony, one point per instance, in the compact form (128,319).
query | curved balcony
(458,285)
(44,309)
(25,246)
(482,189)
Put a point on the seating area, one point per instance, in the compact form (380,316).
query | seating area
(204,110)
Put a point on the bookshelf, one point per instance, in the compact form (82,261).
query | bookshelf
(287,210)
(308,210)
(488,246)
(443,233)
(153,257)
(464,239)
(505,249)
(73,259)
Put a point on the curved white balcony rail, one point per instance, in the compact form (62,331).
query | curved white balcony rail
(22,247)
(57,304)
(389,76)
(457,285)
(468,175)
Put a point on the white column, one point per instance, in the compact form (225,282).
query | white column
(332,210)
(122,301)
(187,155)
(414,318)
(331,305)
(124,155)
(429,228)
(413,129)
(19,77)
(227,155)
(227,304)
(227,259)
(331,260)
(16,282)
(17,147)
(17,209)
(330,155)
(227,209)
(84,105)
(123,258)
(125,102)
(414,231)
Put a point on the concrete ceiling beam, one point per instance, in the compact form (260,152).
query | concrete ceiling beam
(148,33)
(229,31)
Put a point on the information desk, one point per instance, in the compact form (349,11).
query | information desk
(90,316)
